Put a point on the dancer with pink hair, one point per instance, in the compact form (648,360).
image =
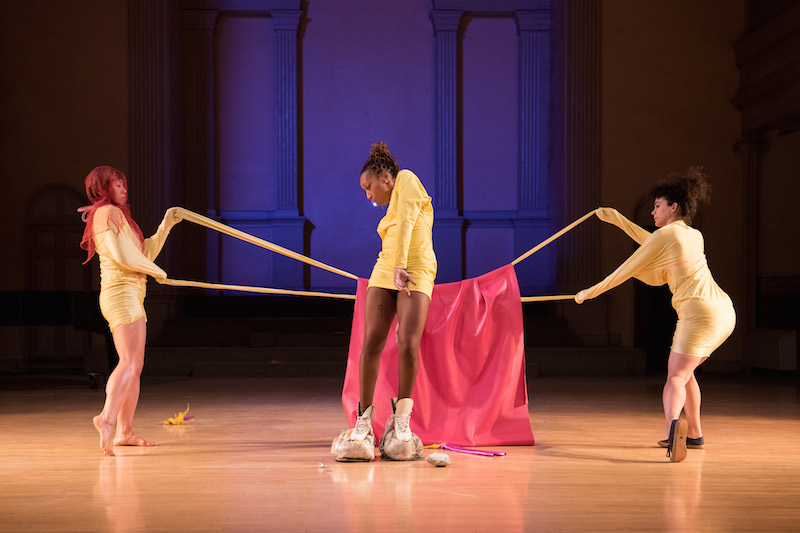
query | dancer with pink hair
(126,259)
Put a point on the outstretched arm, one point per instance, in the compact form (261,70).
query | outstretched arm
(112,242)
(644,264)
(155,243)
(612,216)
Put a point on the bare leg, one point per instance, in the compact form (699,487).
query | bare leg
(692,408)
(412,312)
(680,372)
(129,341)
(125,435)
(379,311)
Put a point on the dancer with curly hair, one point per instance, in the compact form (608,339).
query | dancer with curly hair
(674,255)
(401,285)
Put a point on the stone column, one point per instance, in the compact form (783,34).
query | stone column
(751,153)
(152,128)
(287,225)
(285,24)
(533,29)
(448,224)
(575,165)
(579,125)
(532,225)
(154,169)
(200,190)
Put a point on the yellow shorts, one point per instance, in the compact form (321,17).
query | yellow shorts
(703,325)
(122,303)
(383,277)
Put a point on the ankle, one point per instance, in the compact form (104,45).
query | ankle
(366,412)
(403,407)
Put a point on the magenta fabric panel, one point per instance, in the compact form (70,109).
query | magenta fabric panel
(471,388)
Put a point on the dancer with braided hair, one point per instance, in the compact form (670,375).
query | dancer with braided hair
(674,254)
(401,284)
(126,258)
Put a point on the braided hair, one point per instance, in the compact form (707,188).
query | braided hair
(380,159)
(689,190)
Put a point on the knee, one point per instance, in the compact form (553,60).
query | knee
(407,351)
(126,370)
(678,380)
(372,347)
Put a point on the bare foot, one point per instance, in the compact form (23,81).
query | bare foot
(106,431)
(132,440)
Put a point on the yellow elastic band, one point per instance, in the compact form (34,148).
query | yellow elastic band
(222,228)
(263,290)
(542,245)
(547,298)
(551,239)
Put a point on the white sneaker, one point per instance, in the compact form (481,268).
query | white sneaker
(402,419)
(363,424)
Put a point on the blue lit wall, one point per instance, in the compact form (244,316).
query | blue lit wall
(367,71)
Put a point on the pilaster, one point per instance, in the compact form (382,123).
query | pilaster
(285,25)
(200,188)
(751,155)
(287,226)
(579,136)
(151,101)
(532,224)
(449,227)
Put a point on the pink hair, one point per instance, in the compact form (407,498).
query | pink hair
(98,185)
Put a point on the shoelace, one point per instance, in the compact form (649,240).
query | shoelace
(401,424)
(363,427)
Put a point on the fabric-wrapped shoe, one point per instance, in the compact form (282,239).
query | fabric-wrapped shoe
(402,418)
(358,443)
(363,426)
(398,443)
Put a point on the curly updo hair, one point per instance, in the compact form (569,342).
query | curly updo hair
(380,159)
(690,190)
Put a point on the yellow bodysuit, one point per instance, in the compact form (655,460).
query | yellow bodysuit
(407,234)
(124,265)
(674,254)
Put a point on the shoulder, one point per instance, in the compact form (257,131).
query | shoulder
(663,235)
(408,184)
(107,213)
(406,177)
(109,210)
(677,231)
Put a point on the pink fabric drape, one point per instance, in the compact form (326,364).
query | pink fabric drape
(470,389)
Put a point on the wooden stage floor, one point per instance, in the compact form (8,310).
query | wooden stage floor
(257,459)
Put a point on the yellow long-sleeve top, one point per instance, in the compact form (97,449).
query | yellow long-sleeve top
(674,254)
(124,265)
(406,233)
